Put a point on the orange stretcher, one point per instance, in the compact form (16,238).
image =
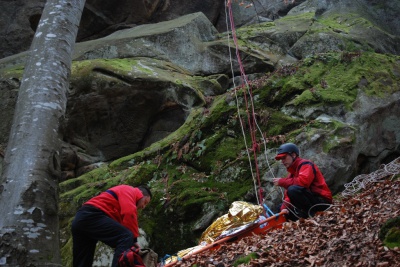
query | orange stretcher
(255,228)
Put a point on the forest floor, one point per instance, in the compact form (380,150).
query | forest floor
(345,235)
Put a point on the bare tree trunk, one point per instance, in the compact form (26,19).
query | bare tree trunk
(29,234)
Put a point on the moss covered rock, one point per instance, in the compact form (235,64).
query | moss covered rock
(390,233)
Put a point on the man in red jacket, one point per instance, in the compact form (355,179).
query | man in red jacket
(110,217)
(306,191)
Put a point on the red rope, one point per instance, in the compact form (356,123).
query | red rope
(251,118)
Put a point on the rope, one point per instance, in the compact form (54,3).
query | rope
(251,119)
(363,180)
(252,122)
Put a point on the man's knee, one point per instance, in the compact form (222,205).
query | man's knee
(294,191)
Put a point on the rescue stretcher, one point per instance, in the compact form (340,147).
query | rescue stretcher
(260,226)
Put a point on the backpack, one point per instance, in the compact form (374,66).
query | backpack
(130,258)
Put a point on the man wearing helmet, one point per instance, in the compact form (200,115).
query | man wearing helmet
(306,191)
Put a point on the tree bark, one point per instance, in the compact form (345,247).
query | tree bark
(29,234)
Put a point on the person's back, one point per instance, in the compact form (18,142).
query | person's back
(110,217)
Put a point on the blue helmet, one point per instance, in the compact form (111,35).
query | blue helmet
(287,148)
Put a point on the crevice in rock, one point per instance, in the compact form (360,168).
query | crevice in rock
(34,21)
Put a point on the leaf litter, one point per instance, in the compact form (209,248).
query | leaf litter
(344,235)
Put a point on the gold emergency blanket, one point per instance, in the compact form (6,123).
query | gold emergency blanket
(240,213)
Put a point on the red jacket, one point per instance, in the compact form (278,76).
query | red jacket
(122,210)
(304,173)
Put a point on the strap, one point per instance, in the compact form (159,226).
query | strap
(126,259)
(308,163)
(130,256)
(112,193)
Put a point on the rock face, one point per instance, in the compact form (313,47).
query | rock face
(164,92)
(136,102)
(19,19)
(116,112)
(134,87)
(100,18)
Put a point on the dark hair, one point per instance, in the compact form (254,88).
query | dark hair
(145,190)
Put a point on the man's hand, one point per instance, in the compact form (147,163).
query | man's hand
(276,181)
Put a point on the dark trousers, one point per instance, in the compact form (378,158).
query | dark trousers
(91,225)
(303,201)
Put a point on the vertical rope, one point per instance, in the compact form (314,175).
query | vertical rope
(238,108)
(250,117)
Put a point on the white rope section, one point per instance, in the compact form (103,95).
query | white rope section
(363,180)
(237,102)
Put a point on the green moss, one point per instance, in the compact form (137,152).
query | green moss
(162,146)
(333,79)
(322,87)
(245,34)
(138,174)
(99,174)
(135,70)
(180,193)
(190,193)
(334,134)
(186,190)
(390,233)
(280,123)
(218,112)
(127,161)
(12,72)
(392,239)
(298,17)
(245,259)
(74,192)
(218,148)
(66,253)
(125,65)
(342,23)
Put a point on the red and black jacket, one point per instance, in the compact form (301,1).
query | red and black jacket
(119,202)
(304,173)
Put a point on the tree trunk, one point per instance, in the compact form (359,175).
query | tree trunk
(29,234)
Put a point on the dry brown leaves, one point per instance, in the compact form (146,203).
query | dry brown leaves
(345,235)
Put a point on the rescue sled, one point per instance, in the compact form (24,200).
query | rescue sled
(258,227)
